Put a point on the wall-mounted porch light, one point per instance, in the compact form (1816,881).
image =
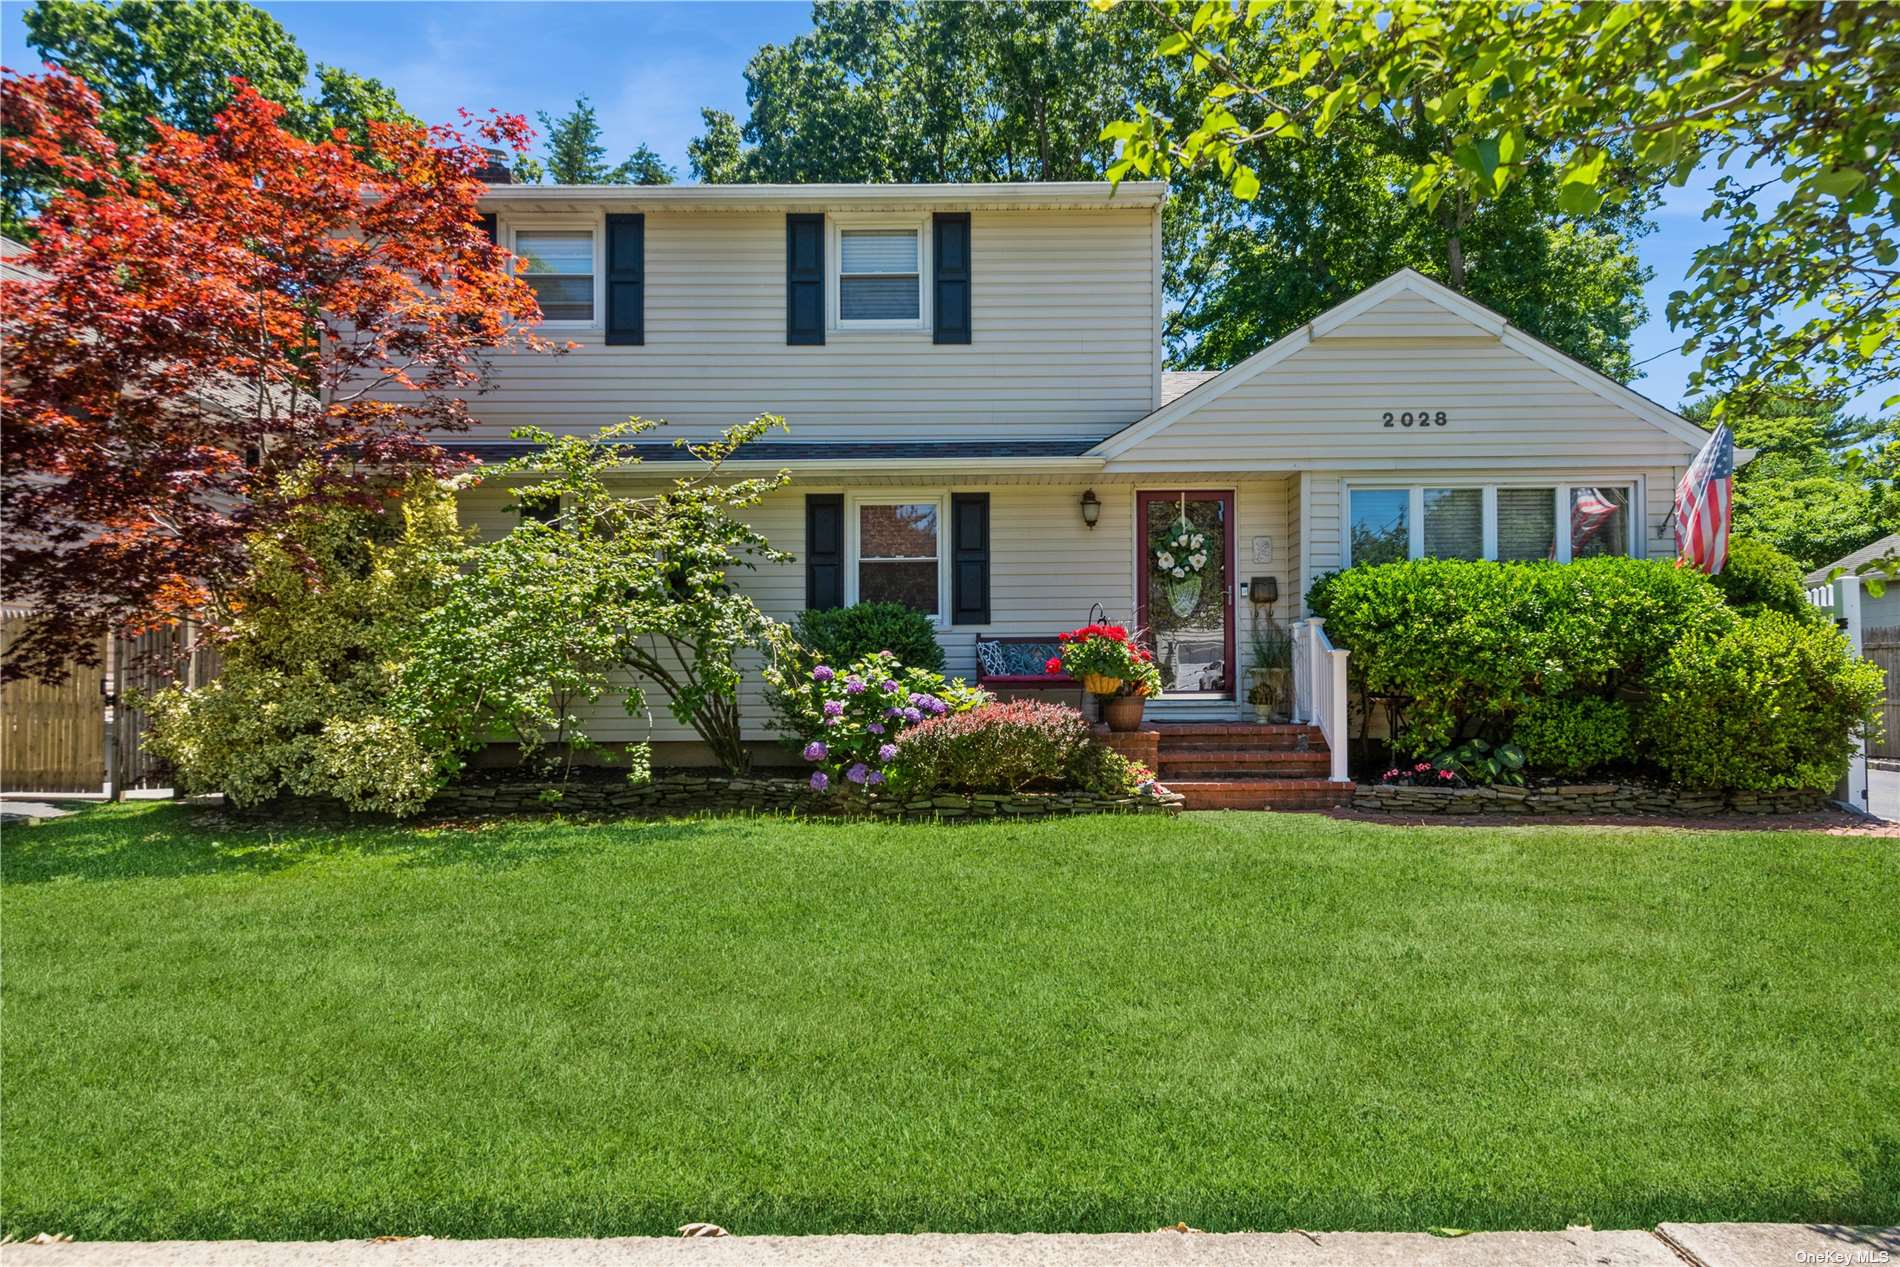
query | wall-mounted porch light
(1091,508)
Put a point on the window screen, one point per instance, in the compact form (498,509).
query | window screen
(1527,524)
(1454,523)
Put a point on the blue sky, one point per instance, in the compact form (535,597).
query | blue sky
(649,68)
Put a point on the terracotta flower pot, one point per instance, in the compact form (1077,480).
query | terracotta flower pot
(1123,712)
(1101,684)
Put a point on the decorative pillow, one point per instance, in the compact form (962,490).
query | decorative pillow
(1016,659)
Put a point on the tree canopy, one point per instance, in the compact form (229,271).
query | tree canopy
(1023,91)
(173,61)
(1794,102)
(225,326)
(572,154)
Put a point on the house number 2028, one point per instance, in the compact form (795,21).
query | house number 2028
(1423,418)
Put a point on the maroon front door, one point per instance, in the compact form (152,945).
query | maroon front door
(1185,588)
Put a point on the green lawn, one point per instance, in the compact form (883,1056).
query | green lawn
(1241,1021)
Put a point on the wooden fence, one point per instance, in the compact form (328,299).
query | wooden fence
(52,738)
(1882,646)
(59,738)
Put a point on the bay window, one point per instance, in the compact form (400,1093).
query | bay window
(1507,522)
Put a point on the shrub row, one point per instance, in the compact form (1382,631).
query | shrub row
(1607,662)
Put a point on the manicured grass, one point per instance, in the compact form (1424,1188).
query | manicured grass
(1241,1021)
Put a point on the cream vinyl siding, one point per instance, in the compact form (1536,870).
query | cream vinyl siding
(1064,310)
(1322,409)
(1408,315)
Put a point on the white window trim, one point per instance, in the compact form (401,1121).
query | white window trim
(898,497)
(594,224)
(1415,510)
(834,273)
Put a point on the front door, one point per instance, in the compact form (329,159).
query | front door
(1185,589)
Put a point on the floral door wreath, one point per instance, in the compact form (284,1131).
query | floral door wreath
(1182,560)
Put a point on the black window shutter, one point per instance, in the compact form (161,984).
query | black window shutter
(491,227)
(950,271)
(626,279)
(824,550)
(970,558)
(805,278)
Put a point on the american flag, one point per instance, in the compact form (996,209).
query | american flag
(1705,502)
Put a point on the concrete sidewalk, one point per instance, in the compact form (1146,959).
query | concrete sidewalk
(1671,1245)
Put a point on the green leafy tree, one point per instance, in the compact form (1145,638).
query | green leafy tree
(572,154)
(1022,91)
(635,588)
(352,102)
(716,155)
(173,60)
(1789,98)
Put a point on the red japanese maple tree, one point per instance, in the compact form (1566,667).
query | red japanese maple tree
(223,324)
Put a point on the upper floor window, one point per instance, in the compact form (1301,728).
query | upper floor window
(1505,522)
(880,277)
(559,264)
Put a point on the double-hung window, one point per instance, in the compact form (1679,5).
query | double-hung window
(1512,523)
(898,549)
(559,265)
(880,277)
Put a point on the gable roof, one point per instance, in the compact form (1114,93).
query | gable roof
(1404,282)
(1889,544)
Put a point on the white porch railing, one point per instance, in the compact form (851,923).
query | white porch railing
(1319,688)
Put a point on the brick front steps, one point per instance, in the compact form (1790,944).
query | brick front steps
(1238,765)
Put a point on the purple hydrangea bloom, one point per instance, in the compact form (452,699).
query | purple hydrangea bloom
(931,704)
(818,781)
(893,712)
(816,751)
(858,773)
(854,686)
(822,673)
(912,714)
(892,686)
(876,728)
(877,776)
(886,752)
(834,708)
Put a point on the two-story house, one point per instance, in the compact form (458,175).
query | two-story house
(981,426)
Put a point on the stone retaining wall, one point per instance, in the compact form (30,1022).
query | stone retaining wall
(682,794)
(1608,799)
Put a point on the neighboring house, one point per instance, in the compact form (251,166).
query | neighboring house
(981,425)
(1875,613)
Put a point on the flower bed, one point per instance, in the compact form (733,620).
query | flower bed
(682,793)
(1575,799)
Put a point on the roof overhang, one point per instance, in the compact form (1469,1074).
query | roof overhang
(1001,196)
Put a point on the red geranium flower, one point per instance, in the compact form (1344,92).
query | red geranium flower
(1054,665)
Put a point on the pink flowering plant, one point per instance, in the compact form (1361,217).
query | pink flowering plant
(847,720)
(1421,774)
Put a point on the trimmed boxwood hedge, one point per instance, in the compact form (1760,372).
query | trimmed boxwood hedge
(1552,654)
